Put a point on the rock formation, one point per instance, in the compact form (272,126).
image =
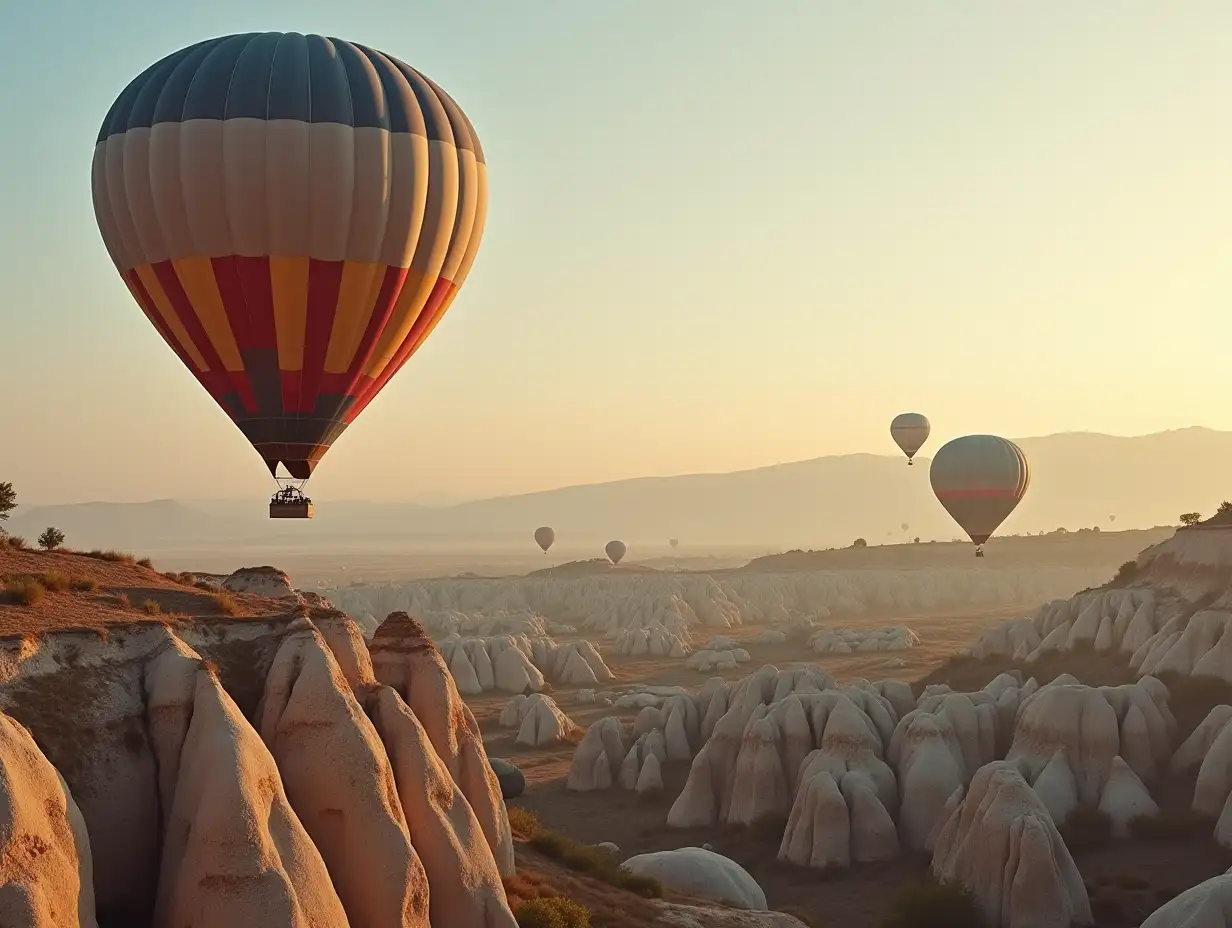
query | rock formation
(701,873)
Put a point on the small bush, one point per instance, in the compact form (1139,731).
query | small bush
(523,821)
(225,603)
(1086,827)
(85,586)
(51,538)
(116,557)
(934,905)
(16,541)
(122,601)
(24,592)
(859,543)
(1171,825)
(55,580)
(552,912)
(151,607)
(145,562)
(1125,573)
(594,861)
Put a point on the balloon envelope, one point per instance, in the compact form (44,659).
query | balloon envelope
(294,214)
(980,479)
(909,430)
(615,550)
(544,536)
(674,542)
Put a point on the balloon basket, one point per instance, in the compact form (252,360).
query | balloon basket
(290,503)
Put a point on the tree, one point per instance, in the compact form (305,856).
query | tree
(916,540)
(1191,518)
(8,500)
(51,538)
(1225,506)
(859,543)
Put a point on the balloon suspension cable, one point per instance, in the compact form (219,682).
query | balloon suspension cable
(290,490)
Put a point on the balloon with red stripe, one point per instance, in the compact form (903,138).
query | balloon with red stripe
(980,480)
(294,214)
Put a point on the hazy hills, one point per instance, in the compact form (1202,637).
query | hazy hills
(1078,479)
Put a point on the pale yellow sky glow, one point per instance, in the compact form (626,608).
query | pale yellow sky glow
(720,236)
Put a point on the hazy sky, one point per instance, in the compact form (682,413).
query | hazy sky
(721,234)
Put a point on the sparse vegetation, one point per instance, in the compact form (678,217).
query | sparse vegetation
(1225,506)
(55,580)
(859,543)
(928,904)
(116,557)
(1125,573)
(523,822)
(1191,518)
(552,912)
(593,861)
(122,601)
(151,607)
(225,603)
(24,592)
(8,500)
(1086,827)
(85,585)
(145,562)
(51,538)
(16,541)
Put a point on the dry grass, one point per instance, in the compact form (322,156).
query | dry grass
(523,822)
(122,601)
(225,603)
(593,861)
(151,607)
(24,592)
(116,557)
(145,562)
(934,905)
(87,585)
(55,580)
(552,912)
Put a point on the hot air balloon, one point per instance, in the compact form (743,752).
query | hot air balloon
(909,431)
(615,550)
(674,542)
(544,536)
(294,214)
(904,526)
(1111,518)
(980,479)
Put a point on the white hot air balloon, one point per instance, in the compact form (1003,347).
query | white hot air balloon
(980,479)
(615,550)
(910,430)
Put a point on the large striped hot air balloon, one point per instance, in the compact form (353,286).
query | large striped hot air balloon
(544,536)
(615,550)
(294,214)
(909,431)
(980,479)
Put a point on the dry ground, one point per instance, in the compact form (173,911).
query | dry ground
(107,593)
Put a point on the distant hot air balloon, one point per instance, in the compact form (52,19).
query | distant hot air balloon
(909,431)
(294,214)
(904,526)
(615,550)
(544,536)
(674,542)
(980,479)
(1111,518)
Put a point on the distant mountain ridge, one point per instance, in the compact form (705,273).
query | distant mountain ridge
(1077,479)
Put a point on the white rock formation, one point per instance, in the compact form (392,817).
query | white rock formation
(1002,844)
(543,723)
(47,876)
(598,757)
(701,873)
(262,581)
(859,640)
(1207,905)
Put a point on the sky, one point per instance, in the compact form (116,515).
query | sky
(720,235)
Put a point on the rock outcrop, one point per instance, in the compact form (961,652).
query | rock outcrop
(701,873)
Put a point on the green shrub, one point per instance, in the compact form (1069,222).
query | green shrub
(51,538)
(928,904)
(552,912)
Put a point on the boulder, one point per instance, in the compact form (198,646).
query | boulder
(701,873)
